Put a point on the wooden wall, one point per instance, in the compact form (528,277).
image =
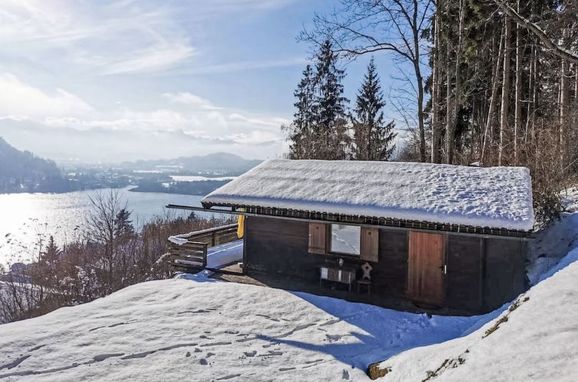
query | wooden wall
(482,273)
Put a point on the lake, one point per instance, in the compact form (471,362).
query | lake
(25,216)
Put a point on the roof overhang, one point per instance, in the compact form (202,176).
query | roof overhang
(292,214)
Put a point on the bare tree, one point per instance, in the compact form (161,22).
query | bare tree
(394,26)
(101,225)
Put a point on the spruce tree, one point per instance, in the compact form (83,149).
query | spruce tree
(299,132)
(372,137)
(329,132)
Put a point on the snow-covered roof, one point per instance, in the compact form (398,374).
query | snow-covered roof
(494,197)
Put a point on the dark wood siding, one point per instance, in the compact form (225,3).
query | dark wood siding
(279,246)
(504,273)
(390,274)
(464,288)
(482,273)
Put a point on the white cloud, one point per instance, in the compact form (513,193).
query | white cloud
(20,100)
(241,66)
(267,122)
(111,38)
(190,99)
(151,60)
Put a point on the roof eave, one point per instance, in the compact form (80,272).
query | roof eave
(371,220)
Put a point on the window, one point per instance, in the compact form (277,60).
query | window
(345,239)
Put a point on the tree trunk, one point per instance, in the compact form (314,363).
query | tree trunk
(530,110)
(449,109)
(452,122)
(436,93)
(505,91)
(419,81)
(518,103)
(564,98)
(493,97)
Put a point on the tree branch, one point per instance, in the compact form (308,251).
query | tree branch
(538,32)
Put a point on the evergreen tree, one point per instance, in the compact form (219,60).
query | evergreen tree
(123,224)
(299,132)
(52,253)
(330,138)
(372,137)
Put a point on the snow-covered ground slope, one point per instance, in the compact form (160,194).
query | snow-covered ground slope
(202,330)
(554,242)
(536,339)
(497,197)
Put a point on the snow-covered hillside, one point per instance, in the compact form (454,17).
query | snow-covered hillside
(183,329)
(202,330)
(536,339)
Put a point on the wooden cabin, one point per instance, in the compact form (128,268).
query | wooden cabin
(439,236)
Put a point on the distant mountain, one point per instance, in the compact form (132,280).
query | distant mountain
(213,164)
(22,171)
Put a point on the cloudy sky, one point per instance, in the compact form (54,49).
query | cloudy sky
(105,81)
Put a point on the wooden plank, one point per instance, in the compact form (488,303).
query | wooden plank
(369,244)
(318,238)
(425,272)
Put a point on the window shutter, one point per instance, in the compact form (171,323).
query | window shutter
(317,238)
(370,244)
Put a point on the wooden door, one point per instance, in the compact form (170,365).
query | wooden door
(426,267)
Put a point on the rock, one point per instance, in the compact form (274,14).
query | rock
(375,371)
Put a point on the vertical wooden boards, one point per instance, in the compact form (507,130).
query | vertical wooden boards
(318,238)
(426,267)
(369,244)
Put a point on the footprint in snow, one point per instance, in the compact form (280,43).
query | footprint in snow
(250,353)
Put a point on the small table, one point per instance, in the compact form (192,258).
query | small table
(337,274)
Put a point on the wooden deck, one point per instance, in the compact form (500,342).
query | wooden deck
(188,252)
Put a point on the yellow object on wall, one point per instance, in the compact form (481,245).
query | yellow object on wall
(241,226)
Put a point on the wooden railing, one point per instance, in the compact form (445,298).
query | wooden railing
(189,251)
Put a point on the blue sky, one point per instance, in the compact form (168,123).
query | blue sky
(106,81)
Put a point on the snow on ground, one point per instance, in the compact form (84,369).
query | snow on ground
(536,341)
(554,242)
(185,329)
(497,197)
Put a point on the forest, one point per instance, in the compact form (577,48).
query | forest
(488,83)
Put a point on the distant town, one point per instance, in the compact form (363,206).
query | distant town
(22,172)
